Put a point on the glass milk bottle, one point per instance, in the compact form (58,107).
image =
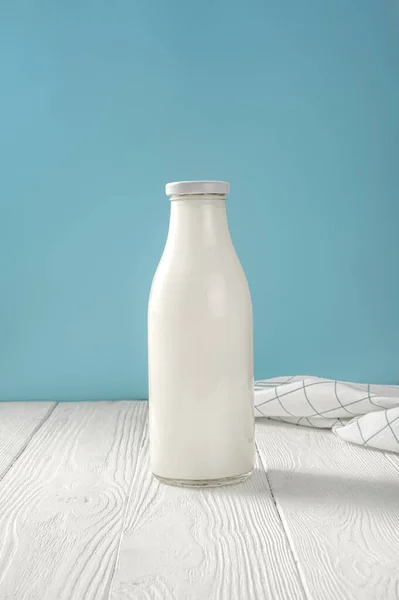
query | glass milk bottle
(200,346)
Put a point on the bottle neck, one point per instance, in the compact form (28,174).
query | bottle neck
(199,220)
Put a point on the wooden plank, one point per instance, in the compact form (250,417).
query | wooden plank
(62,505)
(19,421)
(225,543)
(340,507)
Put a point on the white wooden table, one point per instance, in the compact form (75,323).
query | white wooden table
(81,517)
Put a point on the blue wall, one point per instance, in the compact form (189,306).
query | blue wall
(295,103)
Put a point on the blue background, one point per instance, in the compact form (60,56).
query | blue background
(295,103)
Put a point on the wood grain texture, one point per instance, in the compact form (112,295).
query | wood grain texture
(18,424)
(223,543)
(81,518)
(63,503)
(340,507)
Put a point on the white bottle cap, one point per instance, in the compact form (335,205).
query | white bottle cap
(180,188)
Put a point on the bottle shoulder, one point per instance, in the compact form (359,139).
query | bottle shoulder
(205,267)
(199,281)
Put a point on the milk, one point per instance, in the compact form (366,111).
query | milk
(200,347)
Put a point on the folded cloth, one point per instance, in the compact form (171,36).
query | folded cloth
(361,413)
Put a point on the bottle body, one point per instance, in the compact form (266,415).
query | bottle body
(200,351)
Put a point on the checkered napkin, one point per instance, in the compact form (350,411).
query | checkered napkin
(361,413)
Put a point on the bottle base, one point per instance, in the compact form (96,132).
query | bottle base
(203,483)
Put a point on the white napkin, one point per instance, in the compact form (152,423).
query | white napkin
(361,413)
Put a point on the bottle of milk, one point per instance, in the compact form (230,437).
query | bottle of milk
(200,346)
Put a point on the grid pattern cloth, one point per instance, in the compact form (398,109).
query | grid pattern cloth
(361,413)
